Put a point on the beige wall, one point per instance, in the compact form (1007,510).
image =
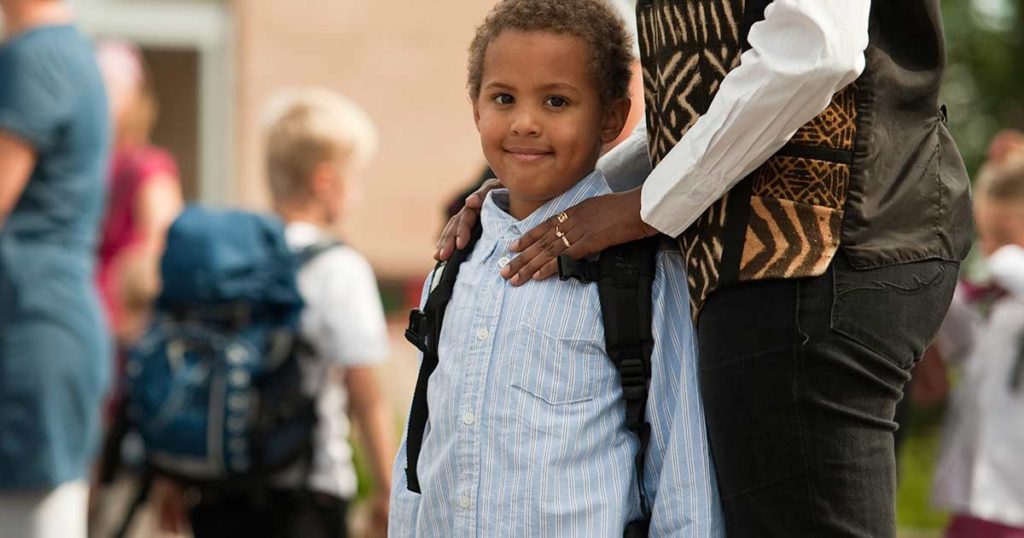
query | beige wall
(404,61)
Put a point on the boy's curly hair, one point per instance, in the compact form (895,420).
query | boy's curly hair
(593,21)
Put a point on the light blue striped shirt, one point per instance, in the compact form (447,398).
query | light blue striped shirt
(527,435)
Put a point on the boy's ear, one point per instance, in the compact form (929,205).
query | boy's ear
(476,115)
(323,182)
(615,119)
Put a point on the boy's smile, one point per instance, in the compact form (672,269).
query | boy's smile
(540,115)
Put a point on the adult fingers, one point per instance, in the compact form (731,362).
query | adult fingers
(531,260)
(467,220)
(549,270)
(531,237)
(456,233)
(476,200)
(446,241)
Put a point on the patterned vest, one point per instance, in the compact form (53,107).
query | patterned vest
(785,220)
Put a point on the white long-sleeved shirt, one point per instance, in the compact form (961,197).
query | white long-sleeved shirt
(802,53)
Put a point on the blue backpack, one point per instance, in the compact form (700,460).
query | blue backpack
(215,386)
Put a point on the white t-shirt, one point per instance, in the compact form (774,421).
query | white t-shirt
(344,322)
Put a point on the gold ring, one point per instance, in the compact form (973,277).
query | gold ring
(566,241)
(562,217)
(559,233)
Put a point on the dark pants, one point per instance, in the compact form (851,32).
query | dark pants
(275,514)
(800,380)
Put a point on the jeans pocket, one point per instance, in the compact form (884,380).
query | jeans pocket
(896,310)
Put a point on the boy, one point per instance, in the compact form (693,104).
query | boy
(526,433)
(318,144)
(979,478)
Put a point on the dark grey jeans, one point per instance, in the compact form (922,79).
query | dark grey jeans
(800,381)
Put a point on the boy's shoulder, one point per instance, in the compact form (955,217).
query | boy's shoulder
(331,261)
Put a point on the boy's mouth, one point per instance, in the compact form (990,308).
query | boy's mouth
(528,155)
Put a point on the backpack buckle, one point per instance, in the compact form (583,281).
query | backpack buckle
(583,270)
(634,378)
(415,333)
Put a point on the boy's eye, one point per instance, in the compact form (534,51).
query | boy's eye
(556,102)
(503,99)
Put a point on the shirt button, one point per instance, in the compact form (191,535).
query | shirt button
(482,334)
(469,417)
(503,261)
(464,501)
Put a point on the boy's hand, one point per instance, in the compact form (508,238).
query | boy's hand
(592,226)
(456,233)
(168,500)
(379,506)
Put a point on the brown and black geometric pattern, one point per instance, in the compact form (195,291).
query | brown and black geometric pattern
(688,47)
(788,239)
(836,127)
(803,180)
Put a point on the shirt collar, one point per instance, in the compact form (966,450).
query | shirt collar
(498,223)
(300,234)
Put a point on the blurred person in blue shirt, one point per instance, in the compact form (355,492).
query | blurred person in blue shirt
(526,434)
(53,349)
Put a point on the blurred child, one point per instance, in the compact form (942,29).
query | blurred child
(527,432)
(980,476)
(144,194)
(318,146)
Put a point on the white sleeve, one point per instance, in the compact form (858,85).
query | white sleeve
(354,331)
(802,53)
(628,164)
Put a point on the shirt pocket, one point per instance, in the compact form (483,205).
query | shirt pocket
(559,369)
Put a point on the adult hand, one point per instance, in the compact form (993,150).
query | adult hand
(458,229)
(592,226)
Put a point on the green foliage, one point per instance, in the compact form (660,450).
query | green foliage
(984,83)
(918,457)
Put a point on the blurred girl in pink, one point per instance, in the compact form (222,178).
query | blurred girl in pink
(145,195)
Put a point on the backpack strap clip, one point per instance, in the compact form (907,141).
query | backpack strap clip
(585,271)
(416,332)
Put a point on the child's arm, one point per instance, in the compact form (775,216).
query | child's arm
(353,338)
(372,415)
(680,477)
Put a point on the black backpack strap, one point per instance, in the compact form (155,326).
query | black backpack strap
(424,332)
(625,276)
(308,254)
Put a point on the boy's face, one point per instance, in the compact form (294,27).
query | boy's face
(540,116)
(998,224)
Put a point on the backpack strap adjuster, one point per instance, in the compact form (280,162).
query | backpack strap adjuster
(415,333)
(634,378)
(585,271)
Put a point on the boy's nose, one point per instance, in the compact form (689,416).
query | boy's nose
(525,124)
